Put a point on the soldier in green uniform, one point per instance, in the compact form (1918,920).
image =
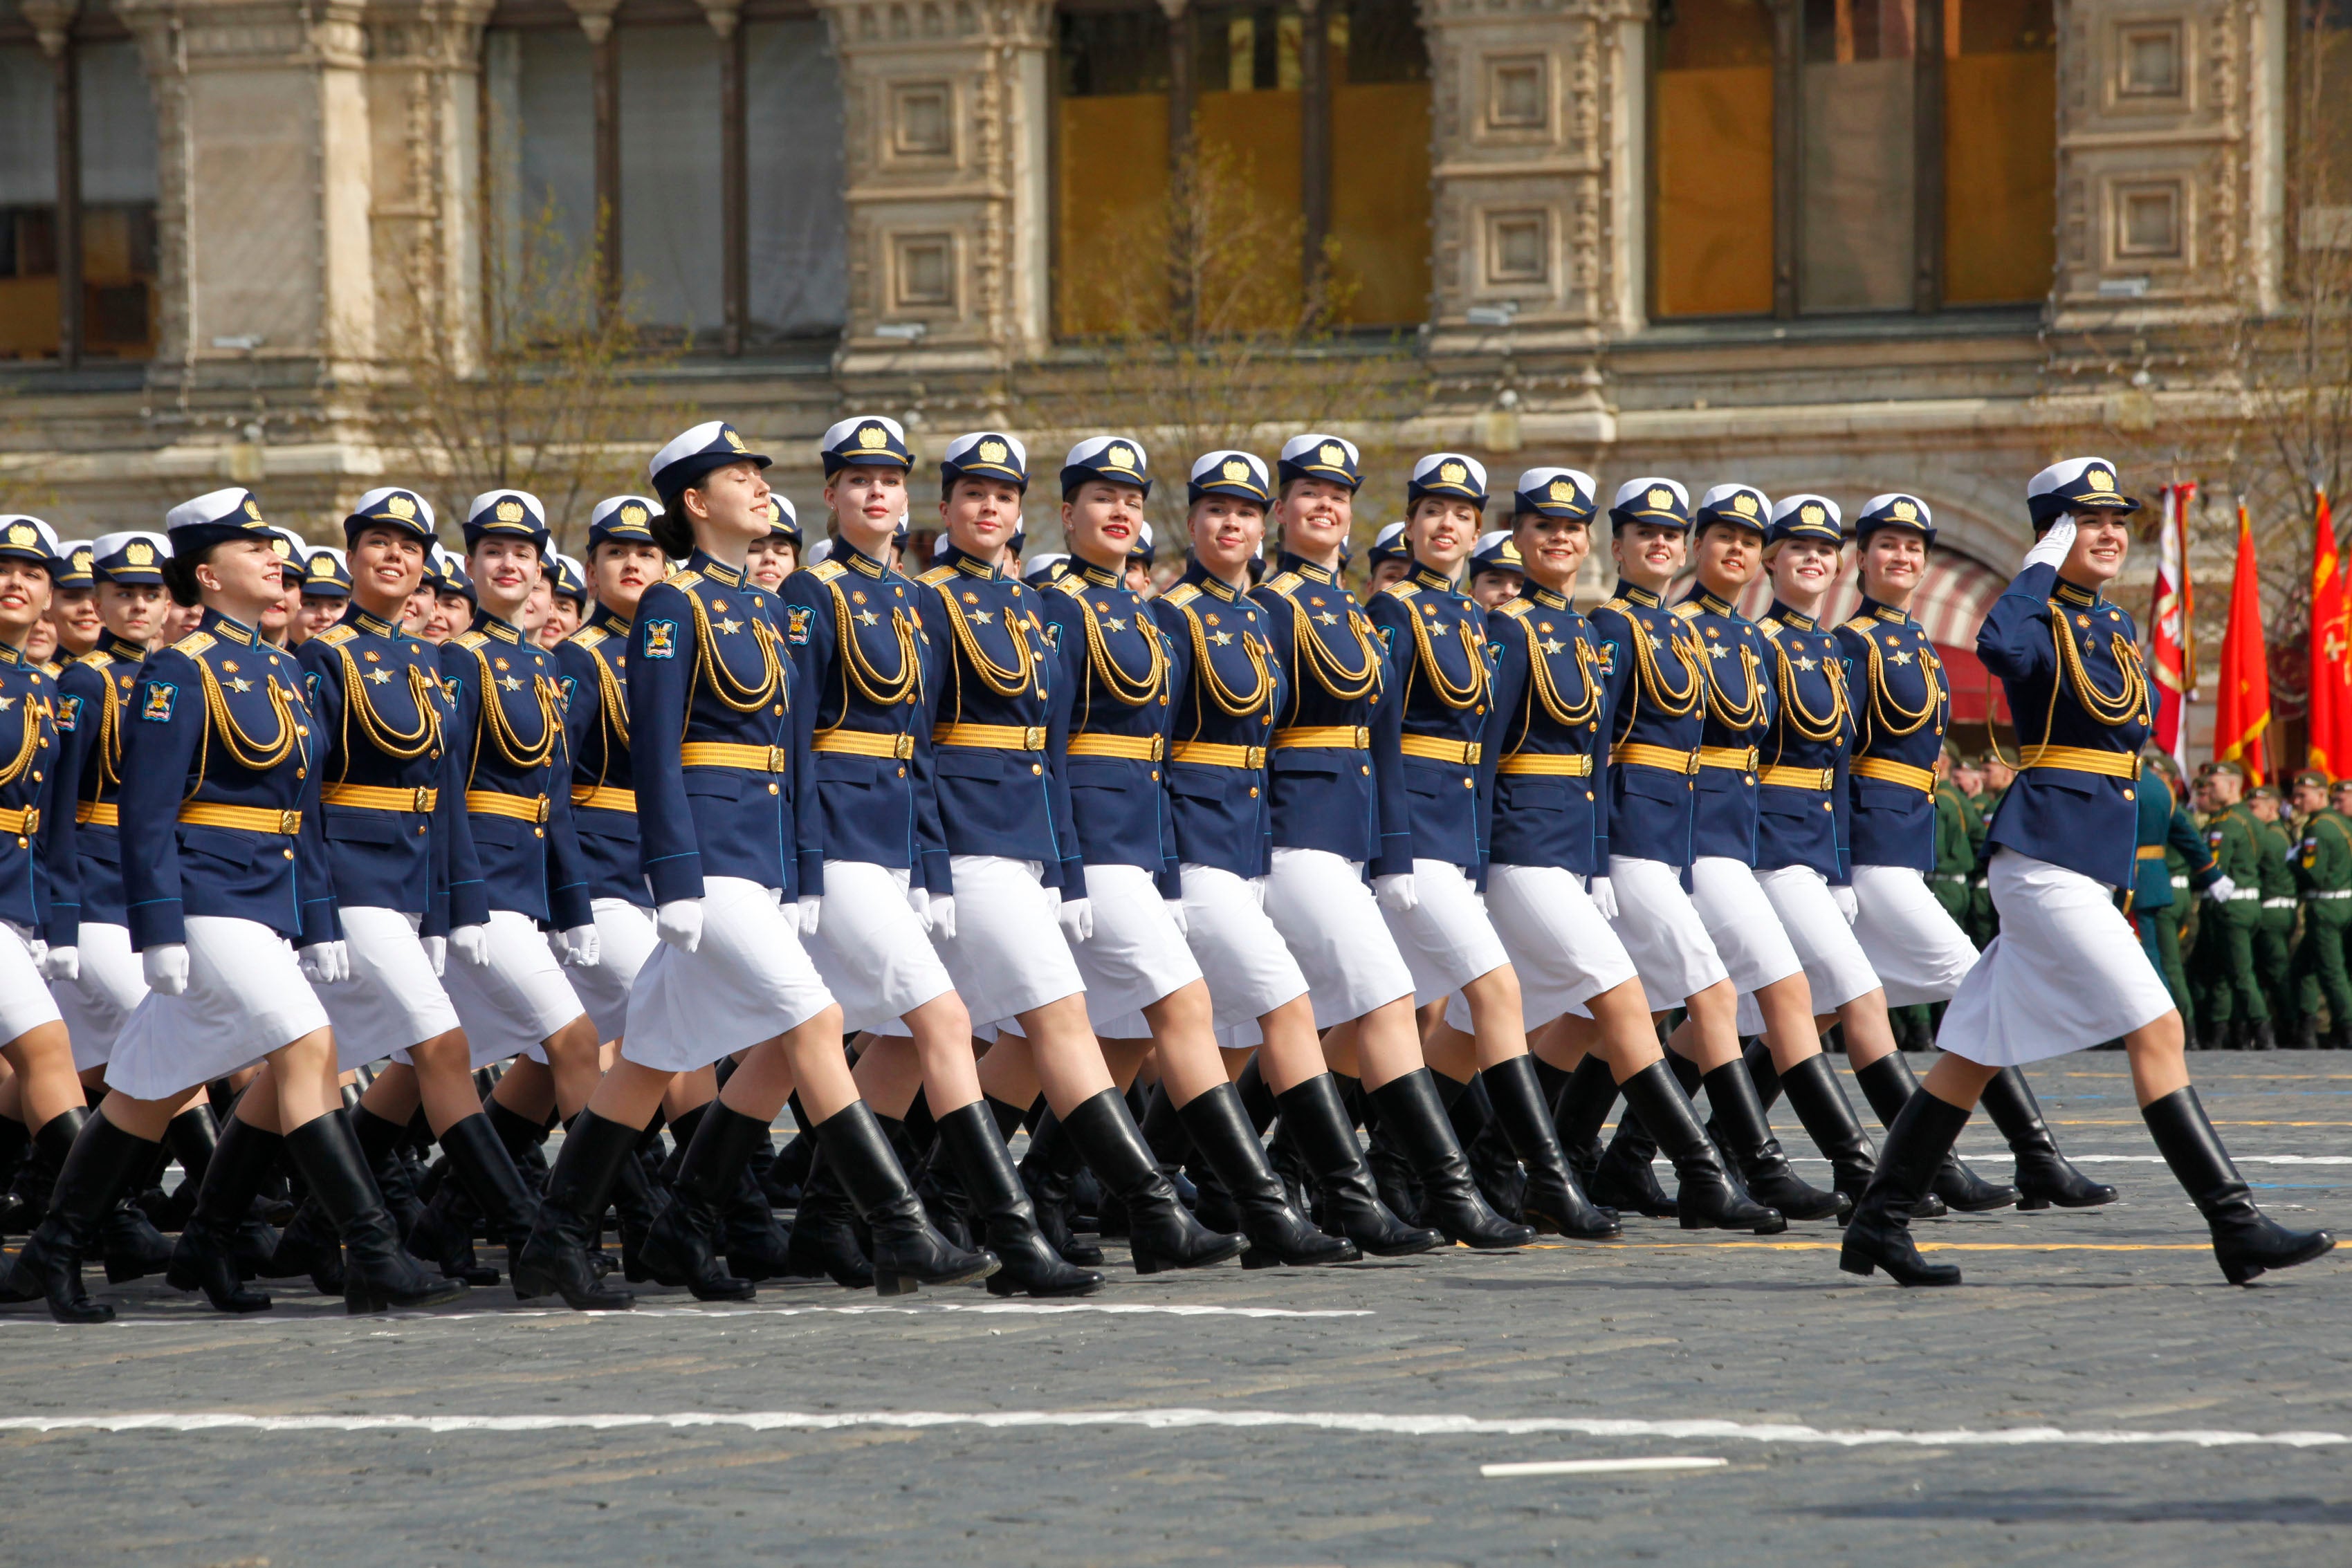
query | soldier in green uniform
(2235,1017)
(1984,921)
(1955,869)
(2166,832)
(2275,927)
(2323,877)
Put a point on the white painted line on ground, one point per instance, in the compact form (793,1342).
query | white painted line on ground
(1602,1467)
(930,1309)
(1188,1419)
(1990,1156)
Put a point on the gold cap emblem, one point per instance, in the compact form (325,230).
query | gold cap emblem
(1119,457)
(138,553)
(1510,551)
(22,534)
(2099,479)
(873,437)
(1744,504)
(1333,454)
(253,508)
(733,440)
(508,512)
(1904,512)
(993,452)
(1235,468)
(1661,501)
(632,515)
(1453,474)
(1561,490)
(1812,515)
(400,507)
(281,549)
(81,560)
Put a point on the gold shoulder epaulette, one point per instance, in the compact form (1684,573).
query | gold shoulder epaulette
(336,636)
(96,659)
(1518,608)
(826,571)
(1402,590)
(1182,594)
(193,644)
(1770,627)
(685,581)
(589,636)
(470,640)
(1280,582)
(1686,611)
(1072,584)
(1619,605)
(936,576)
(1859,623)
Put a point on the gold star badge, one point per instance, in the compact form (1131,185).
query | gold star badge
(1114,622)
(731,627)
(512,684)
(378,678)
(982,616)
(1552,645)
(240,685)
(1327,617)
(1903,658)
(867,618)
(1806,664)
(1221,638)
(1717,650)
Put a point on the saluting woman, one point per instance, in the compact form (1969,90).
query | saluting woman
(225,872)
(722,792)
(1437,638)
(2067,972)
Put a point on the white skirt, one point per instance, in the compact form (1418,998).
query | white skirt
(246,997)
(1136,956)
(1446,939)
(1007,956)
(869,946)
(749,981)
(2066,973)
(625,940)
(1836,969)
(1561,947)
(511,1004)
(1662,931)
(97,1005)
(25,1000)
(393,1000)
(1327,914)
(1918,952)
(1241,956)
(1741,923)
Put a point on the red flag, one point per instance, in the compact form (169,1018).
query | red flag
(2168,627)
(2331,635)
(2242,706)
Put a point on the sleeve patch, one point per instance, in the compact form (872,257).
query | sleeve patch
(802,621)
(1054,635)
(571,689)
(661,638)
(161,697)
(1388,639)
(68,713)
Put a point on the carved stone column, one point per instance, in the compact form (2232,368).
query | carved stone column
(424,77)
(946,148)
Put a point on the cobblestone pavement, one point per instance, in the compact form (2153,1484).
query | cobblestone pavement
(2080,1326)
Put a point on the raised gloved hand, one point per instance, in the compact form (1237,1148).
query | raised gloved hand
(1176,914)
(437,953)
(472,944)
(1605,897)
(2053,548)
(1846,903)
(582,947)
(680,924)
(1396,892)
(2220,889)
(918,899)
(812,906)
(61,963)
(1077,919)
(943,915)
(167,969)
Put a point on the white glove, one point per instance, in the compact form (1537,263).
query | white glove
(437,953)
(1054,898)
(36,950)
(61,963)
(167,969)
(1176,914)
(2220,889)
(325,962)
(1077,918)
(680,924)
(581,947)
(811,905)
(1396,892)
(918,899)
(2053,548)
(1847,905)
(472,943)
(943,915)
(1605,897)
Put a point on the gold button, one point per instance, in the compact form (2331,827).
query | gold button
(298,773)
(1253,792)
(24,843)
(2128,794)
(902,773)
(1368,769)
(421,828)
(1037,767)
(1748,778)
(1588,794)
(1482,708)
(1469,784)
(1827,807)
(435,754)
(1155,775)
(538,832)
(289,854)
(778,708)
(773,790)
(1267,719)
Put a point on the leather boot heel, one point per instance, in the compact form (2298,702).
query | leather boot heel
(1878,1233)
(1220,1128)
(96,1162)
(1164,1235)
(1550,1200)
(984,1168)
(2045,1176)
(555,1259)
(206,1256)
(1738,1119)
(1410,1112)
(378,1273)
(1709,1199)
(1346,1200)
(2247,1243)
(908,1250)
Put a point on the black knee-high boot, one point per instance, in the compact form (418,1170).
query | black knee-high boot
(824,1241)
(1346,1202)
(975,1147)
(1707,1198)
(2246,1241)
(205,1258)
(1627,1177)
(1552,1200)
(1579,1110)
(96,1163)
(15,1147)
(1820,1102)
(1047,1171)
(2045,1176)
(1220,1128)
(378,1273)
(42,1163)
(679,1250)
(1878,1233)
(1410,1111)
(525,1141)
(1888,1084)
(908,1251)
(486,1170)
(595,1155)
(1161,1234)
(190,1138)
(1737,1122)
